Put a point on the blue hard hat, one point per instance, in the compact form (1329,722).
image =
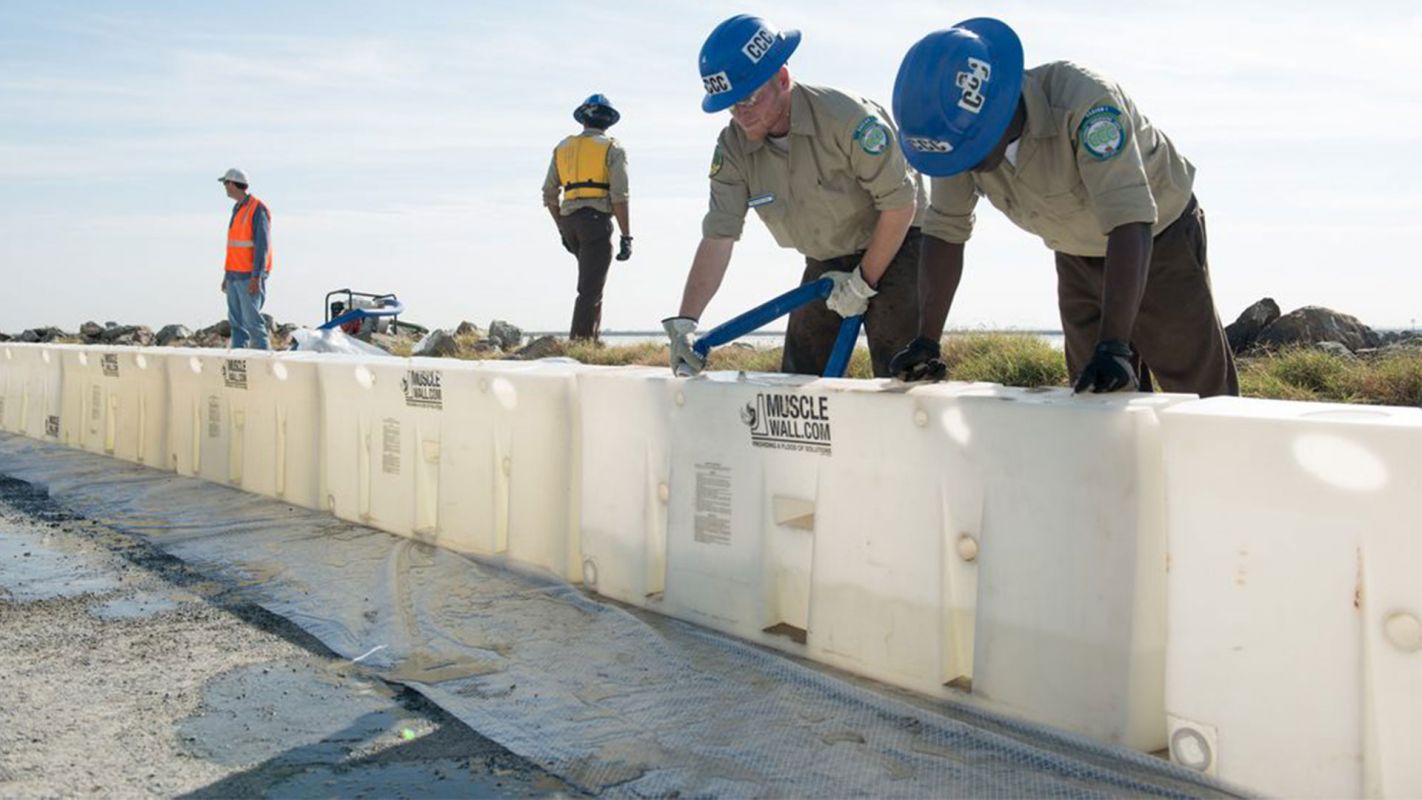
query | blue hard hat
(955,95)
(596,109)
(739,56)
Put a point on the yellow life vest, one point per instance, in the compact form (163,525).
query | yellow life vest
(582,167)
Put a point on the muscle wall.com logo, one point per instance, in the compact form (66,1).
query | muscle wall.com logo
(234,373)
(781,421)
(423,388)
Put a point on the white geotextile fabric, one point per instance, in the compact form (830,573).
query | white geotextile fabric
(614,702)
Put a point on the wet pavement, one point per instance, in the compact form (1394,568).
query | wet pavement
(127,673)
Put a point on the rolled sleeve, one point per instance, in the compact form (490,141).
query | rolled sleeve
(550,184)
(884,175)
(617,173)
(950,214)
(726,216)
(1116,184)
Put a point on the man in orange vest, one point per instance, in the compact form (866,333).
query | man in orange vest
(590,168)
(249,261)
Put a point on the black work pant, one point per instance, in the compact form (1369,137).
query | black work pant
(589,233)
(1178,334)
(890,323)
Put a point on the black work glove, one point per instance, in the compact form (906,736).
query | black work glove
(920,361)
(624,251)
(567,245)
(1109,370)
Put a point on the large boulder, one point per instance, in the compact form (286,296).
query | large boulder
(1243,332)
(467,328)
(45,334)
(437,344)
(5,337)
(91,331)
(215,335)
(504,335)
(1337,350)
(1311,325)
(168,334)
(139,335)
(542,347)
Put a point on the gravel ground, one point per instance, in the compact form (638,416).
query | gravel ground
(125,673)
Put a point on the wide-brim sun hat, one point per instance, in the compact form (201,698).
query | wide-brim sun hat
(955,95)
(739,56)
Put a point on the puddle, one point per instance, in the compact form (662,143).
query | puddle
(30,571)
(136,607)
(295,710)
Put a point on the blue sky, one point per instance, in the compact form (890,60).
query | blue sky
(402,149)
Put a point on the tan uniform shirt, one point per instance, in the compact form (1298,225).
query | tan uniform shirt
(823,197)
(1088,162)
(616,178)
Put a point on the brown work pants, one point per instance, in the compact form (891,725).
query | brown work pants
(890,323)
(1177,334)
(589,231)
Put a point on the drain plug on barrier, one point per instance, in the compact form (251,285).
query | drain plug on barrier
(967,548)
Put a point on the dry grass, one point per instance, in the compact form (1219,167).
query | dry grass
(1304,373)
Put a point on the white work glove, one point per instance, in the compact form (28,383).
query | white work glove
(684,360)
(851,294)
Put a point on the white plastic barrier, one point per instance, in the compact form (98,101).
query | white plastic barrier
(820,517)
(251,419)
(116,402)
(1296,596)
(1010,537)
(14,372)
(33,399)
(1071,588)
(626,473)
(476,457)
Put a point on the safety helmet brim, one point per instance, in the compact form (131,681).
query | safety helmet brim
(757,77)
(926,93)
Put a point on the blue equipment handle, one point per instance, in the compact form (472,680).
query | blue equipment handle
(388,310)
(777,307)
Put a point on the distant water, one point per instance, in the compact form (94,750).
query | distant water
(774,338)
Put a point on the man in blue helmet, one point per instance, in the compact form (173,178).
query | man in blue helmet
(1066,155)
(824,172)
(590,169)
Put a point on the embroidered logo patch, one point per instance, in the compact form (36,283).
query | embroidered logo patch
(1102,133)
(761,200)
(716,161)
(872,136)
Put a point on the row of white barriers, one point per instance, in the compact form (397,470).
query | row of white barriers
(1240,580)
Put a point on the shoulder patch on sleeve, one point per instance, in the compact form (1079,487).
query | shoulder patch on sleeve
(872,136)
(1101,132)
(716,160)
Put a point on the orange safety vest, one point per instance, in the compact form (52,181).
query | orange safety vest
(240,240)
(582,167)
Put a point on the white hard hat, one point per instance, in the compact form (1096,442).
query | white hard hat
(235,175)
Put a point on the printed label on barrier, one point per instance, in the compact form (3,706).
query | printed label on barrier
(108,362)
(234,373)
(781,421)
(214,417)
(713,504)
(96,408)
(51,426)
(390,446)
(423,388)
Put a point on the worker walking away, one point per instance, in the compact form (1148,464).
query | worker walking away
(590,169)
(823,170)
(1066,155)
(249,262)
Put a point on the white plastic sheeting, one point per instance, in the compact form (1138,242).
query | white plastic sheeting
(1296,595)
(965,541)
